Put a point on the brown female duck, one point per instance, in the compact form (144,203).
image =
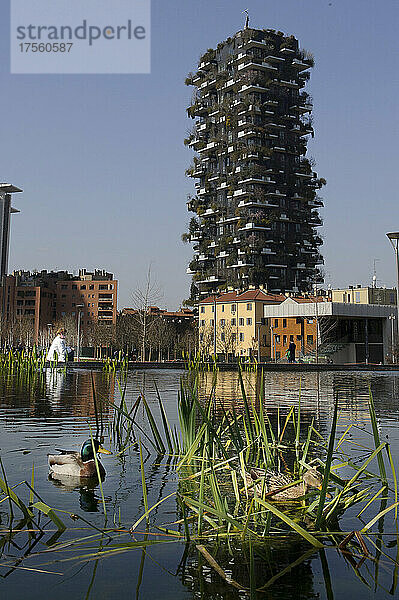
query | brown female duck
(268,481)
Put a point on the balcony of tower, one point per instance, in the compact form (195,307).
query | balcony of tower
(254,64)
(249,88)
(292,84)
(300,65)
(248,203)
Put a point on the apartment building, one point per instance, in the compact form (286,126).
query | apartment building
(256,205)
(358,294)
(234,322)
(93,294)
(38,300)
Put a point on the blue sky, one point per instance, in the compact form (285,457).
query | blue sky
(101,157)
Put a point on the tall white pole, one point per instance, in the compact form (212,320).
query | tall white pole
(394,239)
(78,344)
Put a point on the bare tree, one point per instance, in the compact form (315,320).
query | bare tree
(143,298)
(227,339)
(23,331)
(206,342)
(126,337)
(161,336)
(101,335)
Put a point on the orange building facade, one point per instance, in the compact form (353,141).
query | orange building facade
(35,302)
(300,330)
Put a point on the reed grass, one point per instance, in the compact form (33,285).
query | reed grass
(212,448)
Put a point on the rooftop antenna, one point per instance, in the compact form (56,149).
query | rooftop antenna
(374,278)
(246,18)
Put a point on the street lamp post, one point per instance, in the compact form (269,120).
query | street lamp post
(394,239)
(259,323)
(214,325)
(317,323)
(392,319)
(272,342)
(78,306)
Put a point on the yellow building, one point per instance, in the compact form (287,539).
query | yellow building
(365,295)
(238,322)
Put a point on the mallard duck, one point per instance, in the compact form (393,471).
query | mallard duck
(77,464)
(266,481)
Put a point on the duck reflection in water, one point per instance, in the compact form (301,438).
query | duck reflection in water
(88,499)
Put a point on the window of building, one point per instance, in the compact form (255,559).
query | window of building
(241,321)
(103,287)
(73,303)
(233,337)
(222,337)
(284,322)
(298,337)
(291,338)
(249,306)
(277,338)
(64,286)
(213,308)
(298,319)
(91,287)
(202,309)
(63,313)
(233,321)
(278,355)
(357,297)
(74,287)
(233,308)
(202,323)
(309,340)
(223,322)
(201,337)
(249,321)
(222,307)
(276,322)
(284,340)
(212,322)
(82,287)
(241,337)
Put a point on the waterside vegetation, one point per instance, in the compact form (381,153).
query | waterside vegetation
(211,450)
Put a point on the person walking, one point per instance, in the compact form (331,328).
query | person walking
(58,349)
(291,352)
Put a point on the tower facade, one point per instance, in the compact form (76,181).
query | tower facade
(256,204)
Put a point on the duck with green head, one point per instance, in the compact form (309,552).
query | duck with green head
(77,464)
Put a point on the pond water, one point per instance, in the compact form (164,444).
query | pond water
(56,412)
